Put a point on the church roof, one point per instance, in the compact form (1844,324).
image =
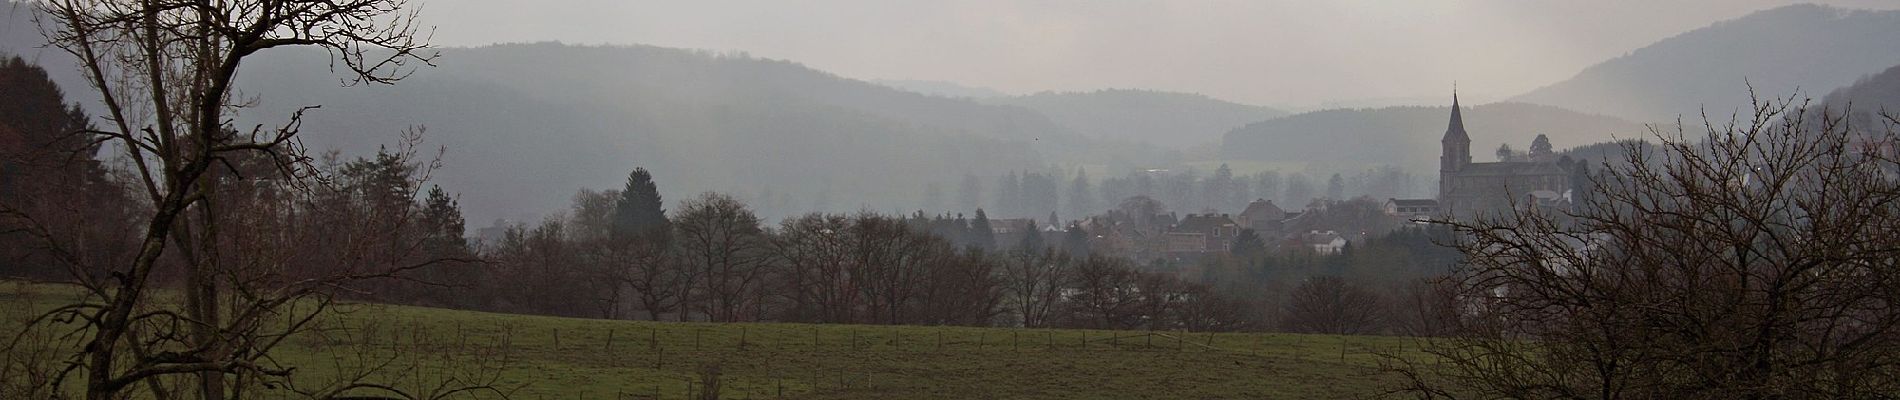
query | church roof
(1455,130)
(1511,168)
(1205,223)
(1414,202)
(1263,208)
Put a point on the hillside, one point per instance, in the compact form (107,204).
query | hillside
(564,358)
(1874,93)
(1807,47)
(527,125)
(1408,136)
(1174,120)
(940,88)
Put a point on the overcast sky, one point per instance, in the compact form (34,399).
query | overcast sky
(1280,53)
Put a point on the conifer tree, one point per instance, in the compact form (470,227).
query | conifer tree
(1032,239)
(639,209)
(1081,196)
(981,235)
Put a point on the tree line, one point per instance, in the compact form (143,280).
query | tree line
(1074,196)
(617,254)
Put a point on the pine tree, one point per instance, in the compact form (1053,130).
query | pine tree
(1540,148)
(1081,197)
(981,235)
(1009,195)
(1075,241)
(442,218)
(1336,188)
(1032,239)
(639,209)
(1248,244)
(969,193)
(1220,188)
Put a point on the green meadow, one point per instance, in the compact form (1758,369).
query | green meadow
(535,357)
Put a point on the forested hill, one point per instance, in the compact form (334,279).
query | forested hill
(1408,136)
(1807,47)
(1875,93)
(525,124)
(1176,120)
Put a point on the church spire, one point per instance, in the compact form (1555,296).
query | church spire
(1456,129)
(1456,146)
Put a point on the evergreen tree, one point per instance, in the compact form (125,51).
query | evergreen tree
(1299,190)
(639,209)
(1267,185)
(1081,197)
(969,193)
(1336,188)
(981,235)
(1505,153)
(1040,193)
(1075,241)
(442,218)
(1032,239)
(1540,148)
(1220,189)
(1009,195)
(1248,244)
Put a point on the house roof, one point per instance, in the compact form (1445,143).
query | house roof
(1413,202)
(1263,207)
(1203,222)
(1511,168)
(1323,237)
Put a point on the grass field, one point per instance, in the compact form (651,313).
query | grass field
(565,358)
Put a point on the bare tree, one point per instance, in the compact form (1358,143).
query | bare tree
(720,240)
(1107,295)
(1331,304)
(165,70)
(1756,259)
(1035,279)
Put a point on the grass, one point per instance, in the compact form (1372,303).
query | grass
(567,358)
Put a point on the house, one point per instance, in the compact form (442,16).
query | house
(1184,243)
(1216,231)
(1261,216)
(1411,207)
(1325,242)
(1010,226)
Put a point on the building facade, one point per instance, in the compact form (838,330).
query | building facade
(1466,188)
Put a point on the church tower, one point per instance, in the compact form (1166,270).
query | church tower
(1456,151)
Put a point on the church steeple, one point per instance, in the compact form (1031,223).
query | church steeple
(1455,131)
(1457,145)
(1456,151)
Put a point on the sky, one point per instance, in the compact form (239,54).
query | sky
(1291,54)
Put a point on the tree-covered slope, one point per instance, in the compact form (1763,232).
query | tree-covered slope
(1810,48)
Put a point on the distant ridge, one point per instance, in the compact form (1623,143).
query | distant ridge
(1408,137)
(527,125)
(1874,93)
(1808,47)
(940,88)
(1169,119)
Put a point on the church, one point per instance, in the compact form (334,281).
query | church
(1514,182)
